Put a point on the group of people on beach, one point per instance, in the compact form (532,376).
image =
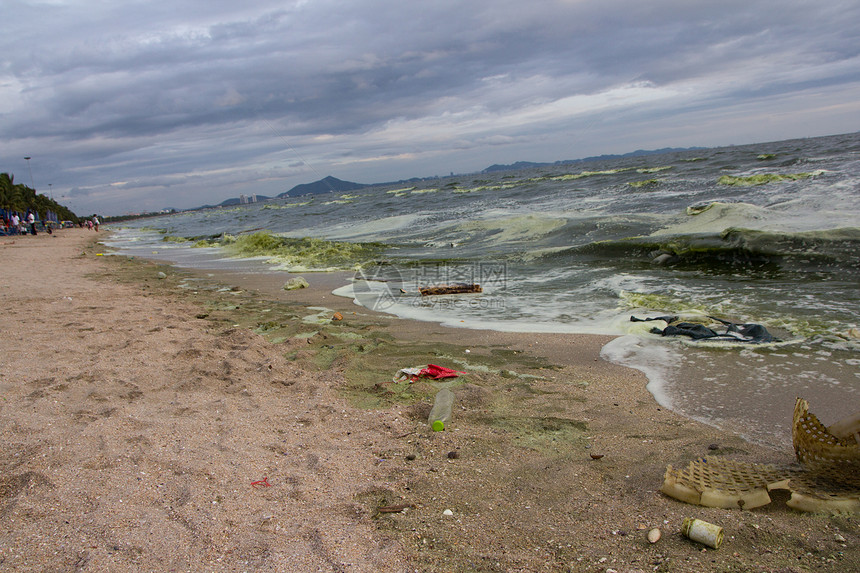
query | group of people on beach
(14,224)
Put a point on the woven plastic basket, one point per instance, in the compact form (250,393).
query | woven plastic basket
(829,480)
(820,451)
(718,482)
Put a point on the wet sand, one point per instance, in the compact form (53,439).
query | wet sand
(197,422)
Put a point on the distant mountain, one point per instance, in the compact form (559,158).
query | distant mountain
(326,185)
(330,184)
(517,165)
(238,201)
(638,152)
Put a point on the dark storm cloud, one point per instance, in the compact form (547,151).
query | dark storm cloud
(135,103)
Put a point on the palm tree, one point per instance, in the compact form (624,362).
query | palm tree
(7,183)
(19,197)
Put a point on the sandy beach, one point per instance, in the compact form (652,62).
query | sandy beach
(153,419)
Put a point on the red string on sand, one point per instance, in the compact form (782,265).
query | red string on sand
(262,483)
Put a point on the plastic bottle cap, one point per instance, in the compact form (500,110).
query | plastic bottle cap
(438,425)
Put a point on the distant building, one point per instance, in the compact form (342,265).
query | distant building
(243,200)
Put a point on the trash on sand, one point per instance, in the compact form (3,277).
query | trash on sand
(828,480)
(440,414)
(457,288)
(296,283)
(428,371)
(703,532)
(395,508)
(262,483)
(437,372)
(337,316)
(410,374)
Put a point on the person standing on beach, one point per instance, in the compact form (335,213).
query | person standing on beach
(31,221)
(96,222)
(16,222)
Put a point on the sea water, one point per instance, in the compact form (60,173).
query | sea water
(764,233)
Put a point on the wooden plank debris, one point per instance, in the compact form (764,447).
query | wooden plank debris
(458,288)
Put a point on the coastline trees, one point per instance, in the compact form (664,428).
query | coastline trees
(18,197)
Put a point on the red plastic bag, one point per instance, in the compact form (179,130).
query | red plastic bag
(437,372)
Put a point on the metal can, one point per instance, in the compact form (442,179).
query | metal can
(702,532)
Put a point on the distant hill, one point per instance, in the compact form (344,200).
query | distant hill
(638,152)
(237,201)
(330,184)
(326,185)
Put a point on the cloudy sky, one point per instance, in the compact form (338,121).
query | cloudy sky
(138,105)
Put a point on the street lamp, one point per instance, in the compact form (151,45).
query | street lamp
(51,190)
(31,173)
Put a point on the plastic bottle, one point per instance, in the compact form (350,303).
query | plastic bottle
(441,412)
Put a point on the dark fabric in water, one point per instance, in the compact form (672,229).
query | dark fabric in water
(669,319)
(752,333)
(694,331)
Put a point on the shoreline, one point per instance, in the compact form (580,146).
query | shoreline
(677,374)
(137,405)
